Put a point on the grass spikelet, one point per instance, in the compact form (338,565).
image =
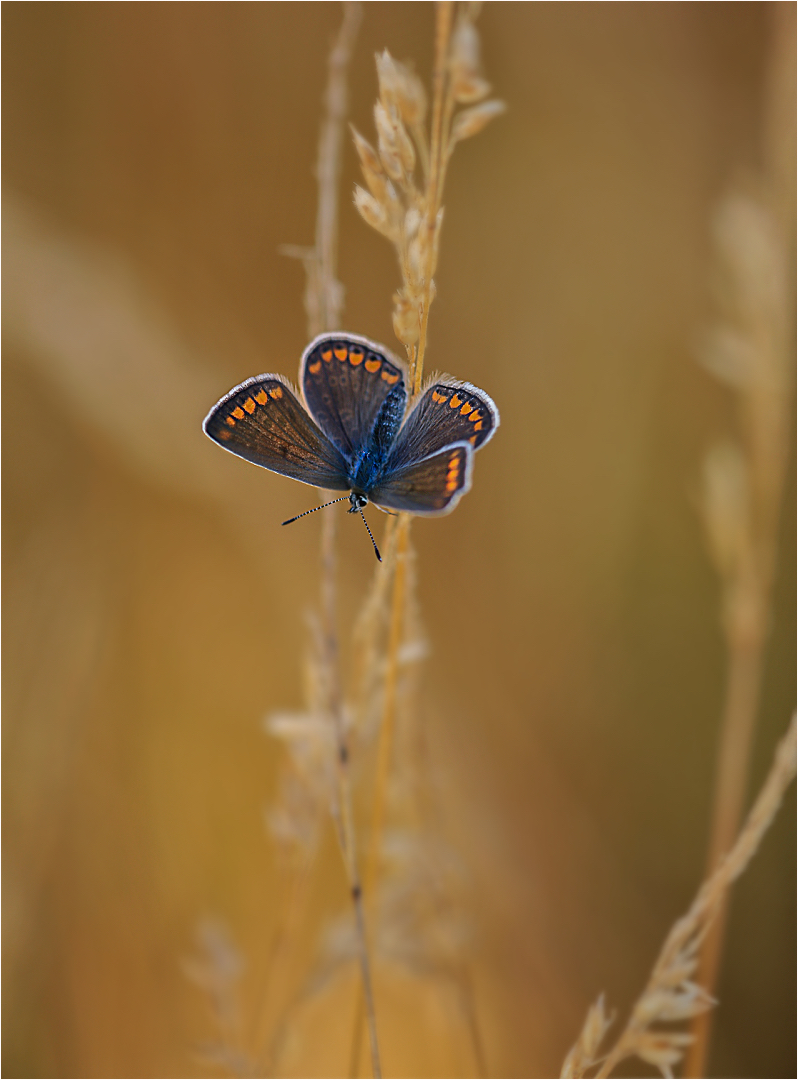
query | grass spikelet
(406,175)
(672,994)
(751,351)
(216,969)
(584,1054)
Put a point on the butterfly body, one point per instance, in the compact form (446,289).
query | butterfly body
(352,434)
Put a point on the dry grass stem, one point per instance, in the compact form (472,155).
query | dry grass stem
(323,304)
(673,994)
(402,200)
(750,351)
(405,174)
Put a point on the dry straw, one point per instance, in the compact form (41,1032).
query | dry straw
(672,994)
(403,901)
(405,177)
(750,350)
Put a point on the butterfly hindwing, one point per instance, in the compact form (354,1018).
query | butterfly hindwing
(447,412)
(262,420)
(431,486)
(345,380)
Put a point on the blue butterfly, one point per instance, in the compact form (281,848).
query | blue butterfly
(352,434)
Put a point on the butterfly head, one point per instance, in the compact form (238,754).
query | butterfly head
(357,502)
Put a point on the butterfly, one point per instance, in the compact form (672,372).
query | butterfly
(351,434)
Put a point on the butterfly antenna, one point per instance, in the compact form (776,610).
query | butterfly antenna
(322,507)
(368,530)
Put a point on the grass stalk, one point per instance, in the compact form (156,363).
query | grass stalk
(442,106)
(409,214)
(416,352)
(398,598)
(323,305)
(765,406)
(671,994)
(694,927)
(327,308)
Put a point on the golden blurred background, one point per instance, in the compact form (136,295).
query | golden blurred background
(156,157)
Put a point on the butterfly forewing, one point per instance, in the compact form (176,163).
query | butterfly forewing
(262,421)
(447,412)
(432,486)
(345,380)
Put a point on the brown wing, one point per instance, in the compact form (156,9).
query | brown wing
(262,421)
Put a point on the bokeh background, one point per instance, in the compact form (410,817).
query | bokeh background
(156,157)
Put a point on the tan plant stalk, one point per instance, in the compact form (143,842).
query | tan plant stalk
(411,217)
(751,351)
(410,214)
(672,994)
(323,304)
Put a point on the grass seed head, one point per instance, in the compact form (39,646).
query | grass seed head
(471,121)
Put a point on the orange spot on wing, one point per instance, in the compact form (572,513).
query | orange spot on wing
(327,355)
(238,412)
(225,435)
(373,365)
(475,415)
(456,402)
(261,397)
(356,358)
(438,397)
(473,440)
(229,420)
(390,378)
(478,427)
(276,393)
(466,409)
(250,406)
(314,369)
(341,353)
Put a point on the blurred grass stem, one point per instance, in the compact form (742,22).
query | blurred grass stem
(672,993)
(766,405)
(711,898)
(323,304)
